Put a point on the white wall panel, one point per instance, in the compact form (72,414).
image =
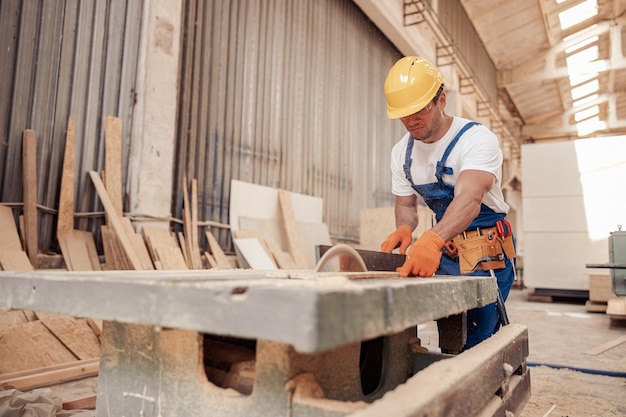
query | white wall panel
(573,198)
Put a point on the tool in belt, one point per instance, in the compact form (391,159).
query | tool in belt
(485,249)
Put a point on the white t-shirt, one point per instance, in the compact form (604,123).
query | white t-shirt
(478,149)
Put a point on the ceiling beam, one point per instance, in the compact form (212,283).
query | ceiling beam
(533,71)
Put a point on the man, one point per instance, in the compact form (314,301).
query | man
(455,166)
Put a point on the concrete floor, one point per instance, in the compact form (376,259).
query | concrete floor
(562,334)
(562,331)
(559,333)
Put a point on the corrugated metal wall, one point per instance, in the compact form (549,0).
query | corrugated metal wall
(283,93)
(62,58)
(465,41)
(287,94)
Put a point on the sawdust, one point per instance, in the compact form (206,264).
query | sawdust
(574,394)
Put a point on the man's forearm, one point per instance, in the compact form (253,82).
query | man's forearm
(406,215)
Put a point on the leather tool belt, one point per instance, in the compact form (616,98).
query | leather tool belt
(484,249)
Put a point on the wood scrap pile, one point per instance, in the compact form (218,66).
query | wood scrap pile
(273,229)
(41,350)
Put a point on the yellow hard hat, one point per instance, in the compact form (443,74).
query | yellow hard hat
(411,84)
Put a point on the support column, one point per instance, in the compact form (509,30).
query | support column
(153,141)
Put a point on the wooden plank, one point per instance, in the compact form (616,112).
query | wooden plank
(291,229)
(9,238)
(606,346)
(65,220)
(184,249)
(170,258)
(107,246)
(87,402)
(138,244)
(29,169)
(79,250)
(142,251)
(121,260)
(595,306)
(601,288)
(48,368)
(115,221)
(186,235)
(15,261)
(90,244)
(75,253)
(191,250)
(211,260)
(283,259)
(616,308)
(113,162)
(164,248)
(194,245)
(219,255)
(50,375)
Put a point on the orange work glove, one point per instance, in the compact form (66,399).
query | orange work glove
(403,236)
(424,257)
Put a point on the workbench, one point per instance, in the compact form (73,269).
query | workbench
(308,330)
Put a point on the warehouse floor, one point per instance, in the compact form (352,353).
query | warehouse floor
(567,379)
(564,334)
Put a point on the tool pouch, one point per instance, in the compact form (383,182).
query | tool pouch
(472,249)
(508,246)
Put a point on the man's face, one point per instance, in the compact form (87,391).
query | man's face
(422,124)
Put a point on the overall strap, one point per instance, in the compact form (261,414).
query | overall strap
(441,168)
(408,161)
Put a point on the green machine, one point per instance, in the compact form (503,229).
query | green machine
(617,255)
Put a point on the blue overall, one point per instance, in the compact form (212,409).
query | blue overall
(481,322)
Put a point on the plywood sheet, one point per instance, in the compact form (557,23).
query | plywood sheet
(30,345)
(12,317)
(75,334)
(311,235)
(272,230)
(254,253)
(376,224)
(258,201)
